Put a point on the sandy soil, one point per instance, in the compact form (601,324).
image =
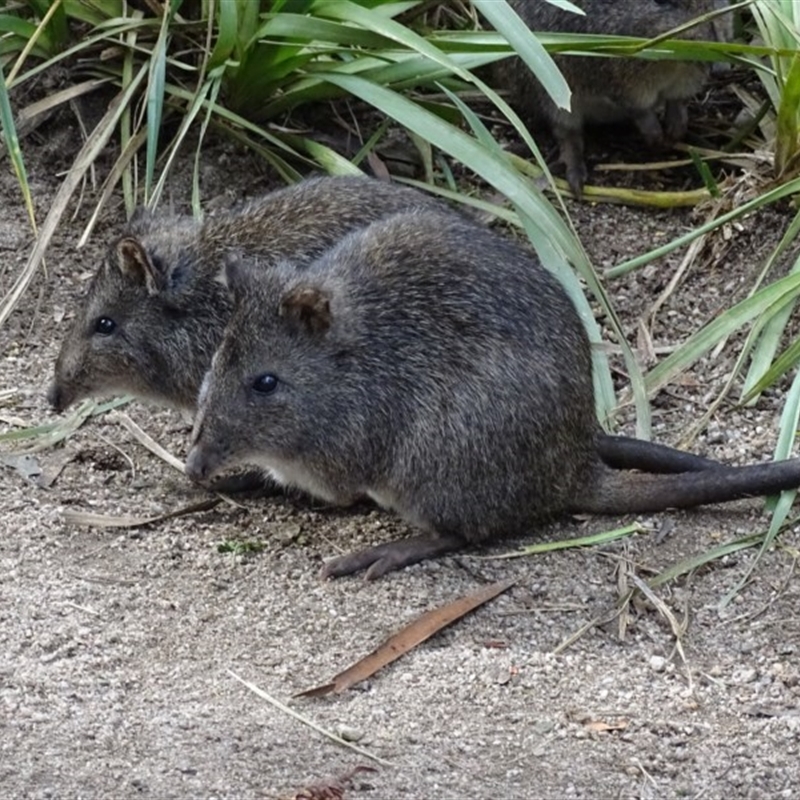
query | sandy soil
(116,644)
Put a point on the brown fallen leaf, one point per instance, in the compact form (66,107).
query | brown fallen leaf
(332,791)
(128,521)
(378,166)
(598,726)
(415,633)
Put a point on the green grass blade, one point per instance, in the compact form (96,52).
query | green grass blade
(329,159)
(187,121)
(567,544)
(220,112)
(408,71)
(282,166)
(505,21)
(52,22)
(106,34)
(459,198)
(300,29)
(698,344)
(23,28)
(787,360)
(789,422)
(92,14)
(788,434)
(786,141)
(126,134)
(347,11)
(118,171)
(155,103)
(54,18)
(369,146)
(762,371)
(9,132)
(695,562)
(227,29)
(765,199)
(28,38)
(51,433)
(215,76)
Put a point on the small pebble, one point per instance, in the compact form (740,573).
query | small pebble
(658,663)
(349,734)
(286,533)
(745,675)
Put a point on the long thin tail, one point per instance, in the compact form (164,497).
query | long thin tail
(625,452)
(616,492)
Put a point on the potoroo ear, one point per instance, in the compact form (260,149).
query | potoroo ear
(134,262)
(235,275)
(308,307)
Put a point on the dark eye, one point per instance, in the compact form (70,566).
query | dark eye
(105,326)
(264,384)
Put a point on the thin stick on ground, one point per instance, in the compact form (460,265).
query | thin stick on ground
(678,628)
(147,441)
(127,521)
(306,721)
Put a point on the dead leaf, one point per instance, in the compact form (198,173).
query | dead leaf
(378,166)
(415,633)
(126,521)
(332,791)
(54,466)
(598,726)
(320,793)
(644,344)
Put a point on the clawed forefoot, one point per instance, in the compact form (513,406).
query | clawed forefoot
(383,558)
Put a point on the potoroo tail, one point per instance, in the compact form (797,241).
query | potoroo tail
(616,492)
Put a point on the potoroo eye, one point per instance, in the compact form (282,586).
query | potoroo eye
(105,326)
(264,384)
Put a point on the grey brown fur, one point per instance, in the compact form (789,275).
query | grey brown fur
(608,90)
(158,287)
(440,370)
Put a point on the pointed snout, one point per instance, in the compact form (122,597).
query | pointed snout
(203,463)
(68,383)
(58,398)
